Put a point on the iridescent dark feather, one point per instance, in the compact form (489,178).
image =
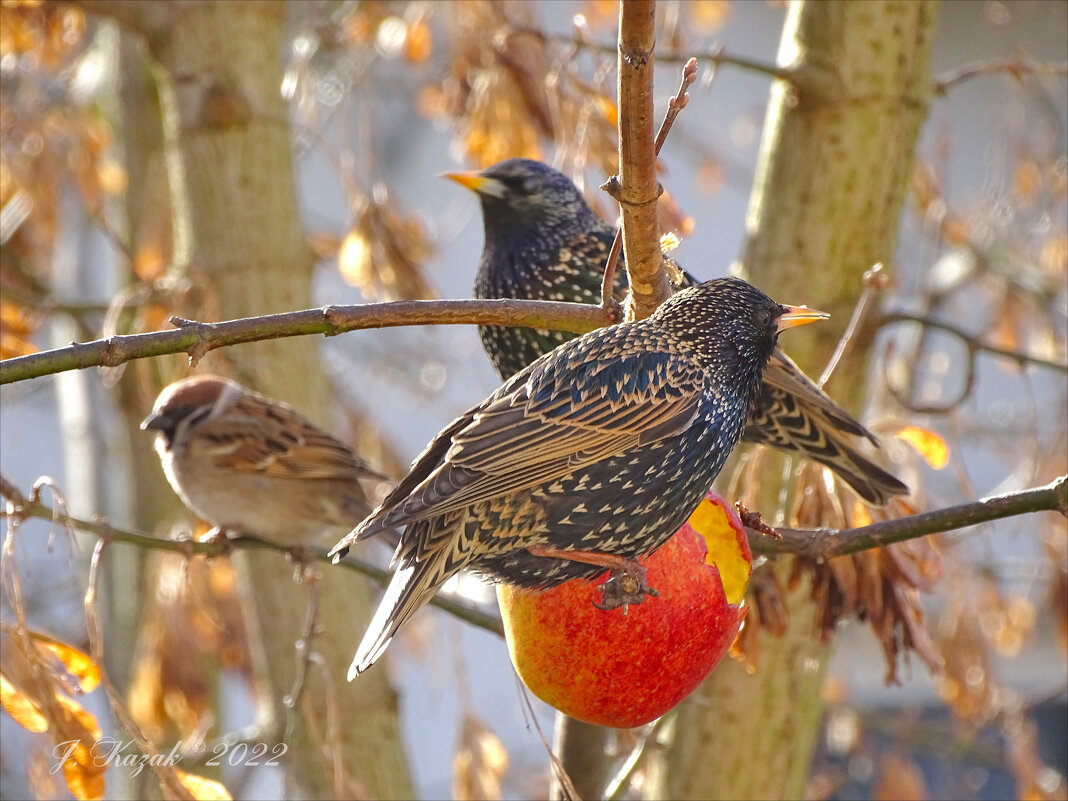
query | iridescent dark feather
(544,242)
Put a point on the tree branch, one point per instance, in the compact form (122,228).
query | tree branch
(637,189)
(197,339)
(972,342)
(828,543)
(812,543)
(717,56)
(675,105)
(19,507)
(1016,67)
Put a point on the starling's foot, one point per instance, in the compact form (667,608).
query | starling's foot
(625,587)
(751,519)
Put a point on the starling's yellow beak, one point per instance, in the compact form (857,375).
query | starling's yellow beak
(476,182)
(799,315)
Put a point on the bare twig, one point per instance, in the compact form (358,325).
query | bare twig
(620,783)
(1016,67)
(874,281)
(198,338)
(23,507)
(310,578)
(821,543)
(162,767)
(636,188)
(828,543)
(717,56)
(608,281)
(971,341)
(675,105)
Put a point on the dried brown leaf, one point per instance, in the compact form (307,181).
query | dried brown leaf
(479,764)
(21,707)
(76,662)
(900,779)
(929,444)
(201,788)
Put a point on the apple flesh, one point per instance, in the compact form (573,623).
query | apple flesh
(623,670)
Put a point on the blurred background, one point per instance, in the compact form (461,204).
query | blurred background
(382,97)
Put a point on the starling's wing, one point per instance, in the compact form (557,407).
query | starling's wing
(273,440)
(793,414)
(783,375)
(423,466)
(572,410)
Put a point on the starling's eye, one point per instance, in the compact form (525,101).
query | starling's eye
(762,316)
(529,185)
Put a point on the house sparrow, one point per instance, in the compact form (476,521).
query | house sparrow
(251,465)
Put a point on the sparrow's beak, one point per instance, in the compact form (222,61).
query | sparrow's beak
(476,182)
(155,421)
(799,315)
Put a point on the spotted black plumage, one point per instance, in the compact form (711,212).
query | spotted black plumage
(544,242)
(605,444)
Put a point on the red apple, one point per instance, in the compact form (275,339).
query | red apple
(623,670)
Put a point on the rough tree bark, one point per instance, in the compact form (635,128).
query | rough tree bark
(237,232)
(831,180)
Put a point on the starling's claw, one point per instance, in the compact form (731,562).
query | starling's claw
(625,587)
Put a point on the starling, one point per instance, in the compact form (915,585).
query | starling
(544,242)
(587,459)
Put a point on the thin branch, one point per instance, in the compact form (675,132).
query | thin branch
(163,768)
(828,543)
(675,105)
(197,338)
(1016,67)
(636,189)
(812,543)
(972,342)
(21,507)
(717,56)
(874,281)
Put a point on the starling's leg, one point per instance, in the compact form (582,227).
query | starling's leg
(625,587)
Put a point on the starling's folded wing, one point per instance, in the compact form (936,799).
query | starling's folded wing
(792,414)
(563,417)
(784,375)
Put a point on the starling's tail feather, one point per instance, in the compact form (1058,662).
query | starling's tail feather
(411,587)
(800,433)
(868,480)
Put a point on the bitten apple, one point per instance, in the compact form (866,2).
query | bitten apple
(623,670)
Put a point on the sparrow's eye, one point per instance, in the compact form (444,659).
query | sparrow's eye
(762,316)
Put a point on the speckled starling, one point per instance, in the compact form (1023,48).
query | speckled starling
(588,458)
(544,242)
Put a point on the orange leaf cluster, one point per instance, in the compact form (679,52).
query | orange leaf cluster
(383,252)
(39,678)
(880,587)
(479,764)
(193,627)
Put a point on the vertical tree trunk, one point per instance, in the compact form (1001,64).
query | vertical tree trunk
(238,235)
(830,185)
